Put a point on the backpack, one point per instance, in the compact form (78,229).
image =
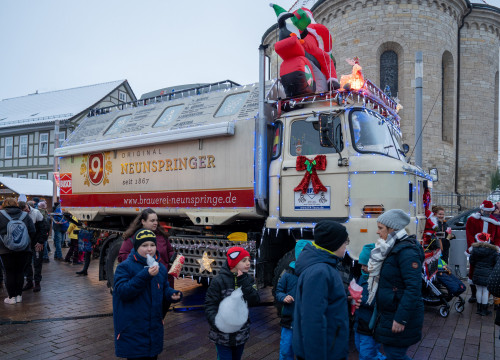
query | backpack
(17,237)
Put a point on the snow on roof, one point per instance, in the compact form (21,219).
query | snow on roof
(49,106)
(28,186)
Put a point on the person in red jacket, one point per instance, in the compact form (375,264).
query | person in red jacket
(481,222)
(148,219)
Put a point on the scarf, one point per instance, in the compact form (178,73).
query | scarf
(377,258)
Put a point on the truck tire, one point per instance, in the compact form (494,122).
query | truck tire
(278,273)
(112,261)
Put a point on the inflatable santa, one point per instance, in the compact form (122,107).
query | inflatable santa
(312,69)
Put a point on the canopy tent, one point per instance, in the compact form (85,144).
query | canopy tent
(30,187)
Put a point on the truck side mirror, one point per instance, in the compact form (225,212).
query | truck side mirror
(406,148)
(326,130)
(330,133)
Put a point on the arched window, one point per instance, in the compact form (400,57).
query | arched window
(447,97)
(389,71)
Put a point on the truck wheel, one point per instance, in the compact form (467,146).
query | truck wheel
(112,262)
(279,270)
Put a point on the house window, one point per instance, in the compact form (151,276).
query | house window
(44,144)
(62,137)
(122,96)
(23,176)
(389,71)
(23,146)
(8,147)
(42,176)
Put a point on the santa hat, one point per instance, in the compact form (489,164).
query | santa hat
(235,255)
(483,237)
(487,206)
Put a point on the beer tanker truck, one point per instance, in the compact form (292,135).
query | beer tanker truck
(226,165)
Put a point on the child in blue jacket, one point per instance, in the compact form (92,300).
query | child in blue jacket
(138,294)
(285,294)
(366,345)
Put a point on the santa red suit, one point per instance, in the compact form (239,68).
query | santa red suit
(477,223)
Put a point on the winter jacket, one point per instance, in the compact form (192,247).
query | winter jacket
(399,295)
(59,223)
(483,257)
(137,308)
(163,247)
(73,229)
(363,315)
(221,287)
(320,320)
(287,286)
(15,213)
(42,231)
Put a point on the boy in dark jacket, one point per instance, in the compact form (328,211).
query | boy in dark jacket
(285,294)
(366,345)
(320,319)
(139,289)
(233,275)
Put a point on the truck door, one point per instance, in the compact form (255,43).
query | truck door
(305,161)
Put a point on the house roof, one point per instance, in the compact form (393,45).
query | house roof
(54,105)
(28,186)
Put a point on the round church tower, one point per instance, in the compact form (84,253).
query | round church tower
(385,35)
(478,105)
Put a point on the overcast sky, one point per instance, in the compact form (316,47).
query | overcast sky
(59,44)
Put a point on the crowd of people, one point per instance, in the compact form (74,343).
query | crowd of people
(316,298)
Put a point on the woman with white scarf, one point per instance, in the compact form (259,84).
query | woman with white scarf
(395,282)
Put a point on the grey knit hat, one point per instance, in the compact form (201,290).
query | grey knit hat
(395,219)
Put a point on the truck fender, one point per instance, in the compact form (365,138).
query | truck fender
(102,259)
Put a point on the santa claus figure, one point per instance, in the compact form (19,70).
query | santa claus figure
(481,222)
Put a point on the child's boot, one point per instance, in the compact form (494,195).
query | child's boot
(485,311)
(479,310)
(473,298)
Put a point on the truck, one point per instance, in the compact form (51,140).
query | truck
(223,164)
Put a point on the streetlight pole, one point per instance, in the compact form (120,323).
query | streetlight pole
(56,160)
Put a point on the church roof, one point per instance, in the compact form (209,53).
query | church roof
(54,105)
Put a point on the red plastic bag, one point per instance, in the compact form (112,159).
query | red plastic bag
(356,291)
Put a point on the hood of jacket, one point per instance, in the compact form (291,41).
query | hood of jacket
(484,245)
(311,255)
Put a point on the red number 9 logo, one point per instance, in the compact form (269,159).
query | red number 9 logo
(95,168)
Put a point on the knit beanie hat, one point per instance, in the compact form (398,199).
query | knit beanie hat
(330,234)
(298,249)
(235,255)
(143,235)
(365,254)
(395,219)
(42,205)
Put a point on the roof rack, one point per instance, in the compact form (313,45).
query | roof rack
(198,90)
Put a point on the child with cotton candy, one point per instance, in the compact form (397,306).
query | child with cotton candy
(226,305)
(140,285)
(366,345)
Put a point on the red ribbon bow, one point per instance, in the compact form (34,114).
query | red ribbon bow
(310,166)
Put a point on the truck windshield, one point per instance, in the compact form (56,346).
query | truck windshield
(371,134)
(304,139)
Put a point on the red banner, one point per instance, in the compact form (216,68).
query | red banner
(188,199)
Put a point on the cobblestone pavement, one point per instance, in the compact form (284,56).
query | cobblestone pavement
(71,319)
